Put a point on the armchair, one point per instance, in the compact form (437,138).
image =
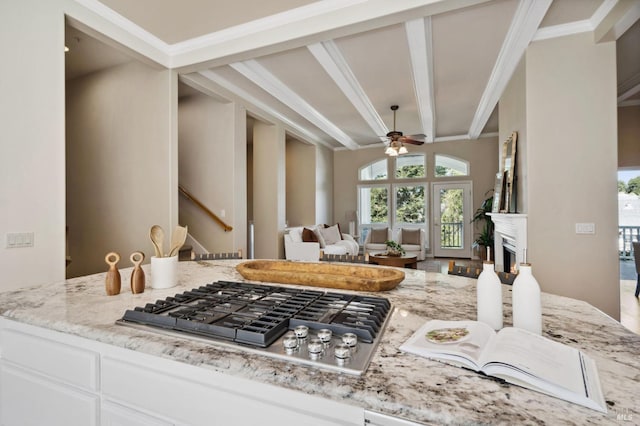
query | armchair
(376,239)
(412,240)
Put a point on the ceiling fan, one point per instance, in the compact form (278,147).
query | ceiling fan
(397,140)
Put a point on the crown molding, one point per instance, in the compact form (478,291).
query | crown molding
(330,58)
(265,110)
(123,23)
(523,27)
(262,77)
(419,38)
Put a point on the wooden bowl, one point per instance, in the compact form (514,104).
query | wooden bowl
(332,275)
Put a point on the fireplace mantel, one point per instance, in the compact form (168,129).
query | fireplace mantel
(511,227)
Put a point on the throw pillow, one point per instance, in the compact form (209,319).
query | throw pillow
(331,234)
(378,236)
(339,230)
(411,236)
(308,236)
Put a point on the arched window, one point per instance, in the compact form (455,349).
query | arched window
(446,165)
(374,171)
(410,166)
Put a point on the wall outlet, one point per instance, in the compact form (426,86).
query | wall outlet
(19,239)
(585,228)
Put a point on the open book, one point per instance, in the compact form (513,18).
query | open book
(514,355)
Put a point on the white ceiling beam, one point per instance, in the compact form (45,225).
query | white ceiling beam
(271,84)
(330,58)
(609,15)
(419,37)
(263,110)
(319,21)
(523,27)
(632,91)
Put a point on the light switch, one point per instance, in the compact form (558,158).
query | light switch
(585,228)
(19,239)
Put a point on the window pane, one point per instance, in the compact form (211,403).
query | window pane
(410,166)
(374,171)
(373,205)
(451,218)
(410,205)
(451,166)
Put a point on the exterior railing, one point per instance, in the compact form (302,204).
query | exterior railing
(626,235)
(451,235)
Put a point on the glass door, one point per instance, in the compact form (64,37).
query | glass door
(451,219)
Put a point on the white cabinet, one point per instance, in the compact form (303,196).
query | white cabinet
(30,399)
(377,419)
(51,378)
(117,415)
(43,382)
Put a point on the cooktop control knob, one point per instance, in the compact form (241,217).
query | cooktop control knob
(325,334)
(350,339)
(301,331)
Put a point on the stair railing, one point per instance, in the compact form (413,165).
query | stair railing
(204,208)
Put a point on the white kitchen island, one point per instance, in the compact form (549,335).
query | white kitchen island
(63,360)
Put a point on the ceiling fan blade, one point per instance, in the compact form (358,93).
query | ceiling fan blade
(413,139)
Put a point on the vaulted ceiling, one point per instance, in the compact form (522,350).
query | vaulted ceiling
(331,69)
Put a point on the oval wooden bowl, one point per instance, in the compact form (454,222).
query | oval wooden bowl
(332,275)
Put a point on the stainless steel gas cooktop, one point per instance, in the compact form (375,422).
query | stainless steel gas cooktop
(336,331)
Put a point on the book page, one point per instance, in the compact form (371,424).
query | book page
(446,340)
(538,357)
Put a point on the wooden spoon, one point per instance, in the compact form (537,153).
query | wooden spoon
(156,233)
(177,239)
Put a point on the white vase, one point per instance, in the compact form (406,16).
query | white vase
(489,293)
(527,309)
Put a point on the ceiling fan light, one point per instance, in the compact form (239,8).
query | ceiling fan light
(402,150)
(389,150)
(393,153)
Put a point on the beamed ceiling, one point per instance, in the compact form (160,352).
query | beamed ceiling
(331,69)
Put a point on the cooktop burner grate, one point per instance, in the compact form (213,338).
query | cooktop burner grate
(258,315)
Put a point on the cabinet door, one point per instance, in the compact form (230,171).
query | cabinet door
(31,400)
(118,415)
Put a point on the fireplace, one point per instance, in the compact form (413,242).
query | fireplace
(510,240)
(509,256)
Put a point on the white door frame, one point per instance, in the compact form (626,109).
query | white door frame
(467,200)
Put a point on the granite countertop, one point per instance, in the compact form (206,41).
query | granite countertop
(396,383)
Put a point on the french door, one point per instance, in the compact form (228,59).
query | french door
(452,204)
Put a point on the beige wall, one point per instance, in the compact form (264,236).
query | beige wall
(32,174)
(571,163)
(207,169)
(119,163)
(512,113)
(269,189)
(629,137)
(324,185)
(480,153)
(301,183)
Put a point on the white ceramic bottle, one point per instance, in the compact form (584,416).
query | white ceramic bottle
(489,297)
(527,309)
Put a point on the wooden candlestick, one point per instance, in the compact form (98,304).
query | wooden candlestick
(112,281)
(137,276)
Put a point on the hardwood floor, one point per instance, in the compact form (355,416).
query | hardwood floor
(629,304)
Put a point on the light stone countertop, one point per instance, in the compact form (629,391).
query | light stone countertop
(396,383)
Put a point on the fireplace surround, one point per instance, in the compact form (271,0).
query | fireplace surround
(510,233)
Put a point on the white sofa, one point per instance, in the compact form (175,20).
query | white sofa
(297,249)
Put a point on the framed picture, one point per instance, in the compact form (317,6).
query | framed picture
(498,193)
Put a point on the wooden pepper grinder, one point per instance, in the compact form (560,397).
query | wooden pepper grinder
(137,276)
(112,282)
